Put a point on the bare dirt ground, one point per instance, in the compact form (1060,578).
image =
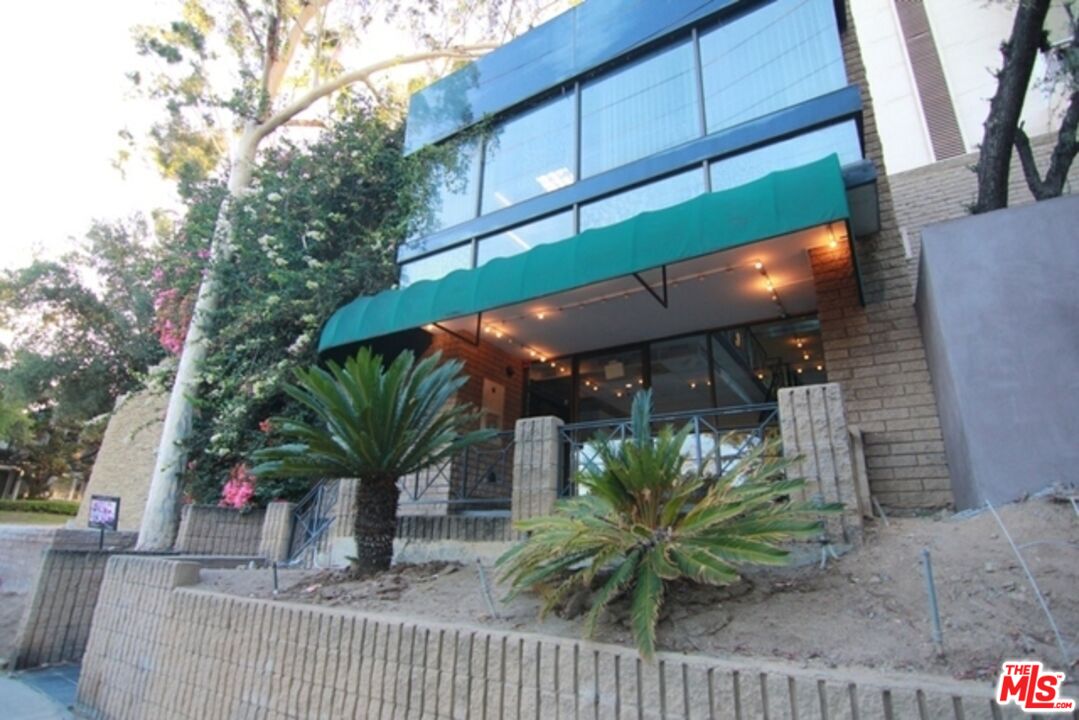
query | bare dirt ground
(868,609)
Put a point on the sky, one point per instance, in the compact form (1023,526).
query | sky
(67,97)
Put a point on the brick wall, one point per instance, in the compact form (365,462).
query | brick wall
(125,462)
(56,622)
(211,530)
(875,352)
(944,190)
(464,529)
(159,649)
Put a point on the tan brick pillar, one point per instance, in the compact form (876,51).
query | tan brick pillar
(537,459)
(276,531)
(814,427)
(345,510)
(183,535)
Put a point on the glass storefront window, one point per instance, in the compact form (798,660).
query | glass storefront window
(529,155)
(728,368)
(638,110)
(736,170)
(779,54)
(454,185)
(550,389)
(680,376)
(437,265)
(653,196)
(607,382)
(525,237)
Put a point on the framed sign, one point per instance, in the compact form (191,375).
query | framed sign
(104,512)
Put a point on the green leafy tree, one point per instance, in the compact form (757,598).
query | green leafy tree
(646,520)
(377,424)
(231,74)
(81,334)
(318,227)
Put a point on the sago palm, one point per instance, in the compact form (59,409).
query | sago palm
(376,424)
(646,518)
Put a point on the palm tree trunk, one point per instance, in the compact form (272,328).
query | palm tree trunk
(376,523)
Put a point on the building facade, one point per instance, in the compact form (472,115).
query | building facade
(685,196)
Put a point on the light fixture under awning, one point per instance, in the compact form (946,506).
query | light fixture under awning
(783,202)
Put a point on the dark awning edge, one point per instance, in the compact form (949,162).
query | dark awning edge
(783,202)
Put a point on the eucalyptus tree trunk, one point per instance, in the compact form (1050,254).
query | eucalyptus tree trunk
(375,523)
(161,516)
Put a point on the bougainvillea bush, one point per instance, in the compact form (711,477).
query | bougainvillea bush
(320,227)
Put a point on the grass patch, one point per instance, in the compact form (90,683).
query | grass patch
(7,517)
(68,508)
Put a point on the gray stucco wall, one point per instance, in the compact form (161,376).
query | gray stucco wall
(998,302)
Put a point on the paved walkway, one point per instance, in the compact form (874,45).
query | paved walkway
(45,694)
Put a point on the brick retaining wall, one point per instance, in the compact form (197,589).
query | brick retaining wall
(211,530)
(160,649)
(56,622)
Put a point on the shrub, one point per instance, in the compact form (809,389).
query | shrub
(646,520)
(51,507)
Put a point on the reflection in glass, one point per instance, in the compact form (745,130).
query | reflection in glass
(841,139)
(454,185)
(638,110)
(607,382)
(550,389)
(525,237)
(529,154)
(437,265)
(653,196)
(778,55)
(680,376)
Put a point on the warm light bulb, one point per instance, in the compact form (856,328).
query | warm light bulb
(498,333)
(758,265)
(820,367)
(760,376)
(543,359)
(619,393)
(541,315)
(799,371)
(488,330)
(629,385)
(800,343)
(693,385)
(805,356)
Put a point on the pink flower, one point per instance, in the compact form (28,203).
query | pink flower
(266,426)
(204,253)
(240,488)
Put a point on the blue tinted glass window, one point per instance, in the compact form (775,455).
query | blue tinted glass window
(437,265)
(454,185)
(525,237)
(778,55)
(653,196)
(639,110)
(529,155)
(737,170)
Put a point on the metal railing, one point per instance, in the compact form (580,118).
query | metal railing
(719,438)
(311,519)
(479,478)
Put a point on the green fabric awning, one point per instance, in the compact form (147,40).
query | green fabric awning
(780,203)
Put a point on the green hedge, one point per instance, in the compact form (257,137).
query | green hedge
(53,507)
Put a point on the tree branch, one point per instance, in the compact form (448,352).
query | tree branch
(295,35)
(250,22)
(1060,162)
(315,94)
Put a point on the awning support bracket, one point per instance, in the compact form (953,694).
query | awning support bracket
(475,342)
(661,300)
